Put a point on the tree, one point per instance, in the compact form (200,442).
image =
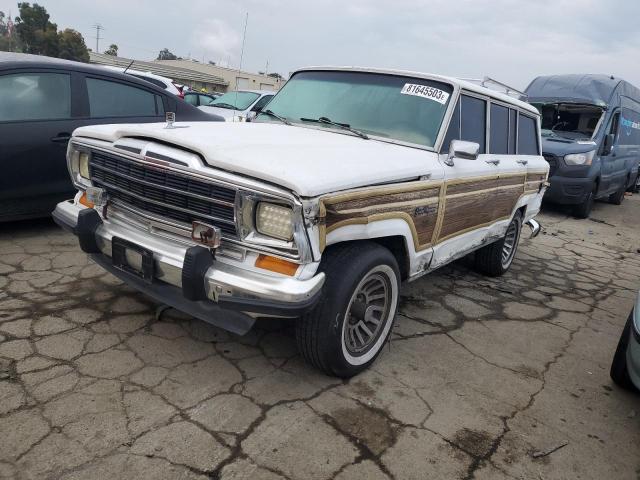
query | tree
(275,75)
(37,34)
(165,54)
(71,46)
(112,50)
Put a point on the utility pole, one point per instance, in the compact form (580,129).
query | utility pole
(98,27)
(266,69)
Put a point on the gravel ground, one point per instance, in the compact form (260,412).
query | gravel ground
(96,381)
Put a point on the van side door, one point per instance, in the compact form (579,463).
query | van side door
(610,162)
(627,144)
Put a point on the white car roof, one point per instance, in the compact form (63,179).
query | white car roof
(429,76)
(261,92)
(139,72)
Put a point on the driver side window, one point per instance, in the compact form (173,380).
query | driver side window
(261,103)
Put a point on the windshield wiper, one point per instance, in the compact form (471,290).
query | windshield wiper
(344,126)
(275,115)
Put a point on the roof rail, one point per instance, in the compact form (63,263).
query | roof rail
(488,80)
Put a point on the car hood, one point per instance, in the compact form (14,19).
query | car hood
(305,160)
(225,113)
(560,146)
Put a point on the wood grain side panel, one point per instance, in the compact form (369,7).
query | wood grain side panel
(419,208)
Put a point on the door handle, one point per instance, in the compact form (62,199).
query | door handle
(522,162)
(61,137)
(495,161)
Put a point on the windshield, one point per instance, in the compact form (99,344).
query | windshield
(235,100)
(569,120)
(399,108)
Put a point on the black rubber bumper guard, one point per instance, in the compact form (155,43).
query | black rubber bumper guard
(192,298)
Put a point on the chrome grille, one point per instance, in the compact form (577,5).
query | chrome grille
(552,160)
(163,192)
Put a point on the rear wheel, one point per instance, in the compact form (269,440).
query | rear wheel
(346,331)
(619,372)
(583,210)
(495,259)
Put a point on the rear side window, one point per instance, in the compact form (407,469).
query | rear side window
(113,99)
(473,126)
(527,136)
(499,130)
(35,96)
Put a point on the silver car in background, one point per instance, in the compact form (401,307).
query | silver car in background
(239,105)
(625,368)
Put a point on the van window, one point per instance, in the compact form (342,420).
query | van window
(513,125)
(113,99)
(527,136)
(499,130)
(629,130)
(474,121)
(35,96)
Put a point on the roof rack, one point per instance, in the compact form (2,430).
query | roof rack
(488,80)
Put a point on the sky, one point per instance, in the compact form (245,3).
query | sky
(511,41)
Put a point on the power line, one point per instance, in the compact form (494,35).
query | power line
(98,27)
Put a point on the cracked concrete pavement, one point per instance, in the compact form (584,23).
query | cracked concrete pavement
(97,382)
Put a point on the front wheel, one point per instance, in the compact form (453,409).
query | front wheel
(618,197)
(495,259)
(583,210)
(346,331)
(619,371)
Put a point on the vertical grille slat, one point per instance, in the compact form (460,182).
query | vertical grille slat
(163,192)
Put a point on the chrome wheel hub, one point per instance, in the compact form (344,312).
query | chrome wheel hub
(367,313)
(510,243)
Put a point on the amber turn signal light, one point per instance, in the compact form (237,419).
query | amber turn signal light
(276,265)
(85,201)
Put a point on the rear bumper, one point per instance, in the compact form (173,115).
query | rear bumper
(568,190)
(218,292)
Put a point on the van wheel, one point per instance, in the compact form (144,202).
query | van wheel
(346,331)
(619,372)
(495,259)
(583,210)
(618,197)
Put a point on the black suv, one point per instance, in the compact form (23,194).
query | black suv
(42,101)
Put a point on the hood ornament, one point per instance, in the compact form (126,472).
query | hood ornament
(170,118)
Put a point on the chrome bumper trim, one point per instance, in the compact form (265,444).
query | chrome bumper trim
(534,226)
(224,283)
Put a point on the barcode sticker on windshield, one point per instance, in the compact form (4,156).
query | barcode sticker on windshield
(425,91)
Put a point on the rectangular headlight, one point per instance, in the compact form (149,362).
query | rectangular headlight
(579,158)
(274,221)
(83,164)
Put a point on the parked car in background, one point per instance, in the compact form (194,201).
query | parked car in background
(590,137)
(352,181)
(42,101)
(625,368)
(240,105)
(199,99)
(163,82)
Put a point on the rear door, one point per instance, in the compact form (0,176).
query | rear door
(38,112)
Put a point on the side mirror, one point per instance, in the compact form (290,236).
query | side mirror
(607,146)
(462,149)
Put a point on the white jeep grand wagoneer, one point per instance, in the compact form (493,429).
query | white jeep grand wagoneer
(350,181)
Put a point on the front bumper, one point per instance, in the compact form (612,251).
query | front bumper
(568,190)
(222,294)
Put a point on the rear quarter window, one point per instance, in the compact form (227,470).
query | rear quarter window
(527,136)
(113,99)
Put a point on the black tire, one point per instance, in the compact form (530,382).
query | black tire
(618,197)
(321,333)
(583,210)
(489,259)
(619,372)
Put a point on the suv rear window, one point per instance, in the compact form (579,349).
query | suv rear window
(527,136)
